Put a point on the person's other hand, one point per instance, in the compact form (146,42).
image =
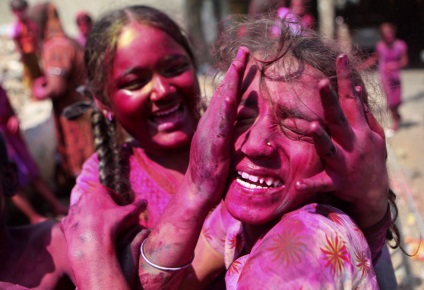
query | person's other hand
(352,146)
(95,222)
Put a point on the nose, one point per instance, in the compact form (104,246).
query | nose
(258,141)
(161,88)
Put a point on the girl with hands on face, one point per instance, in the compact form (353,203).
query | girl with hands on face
(288,106)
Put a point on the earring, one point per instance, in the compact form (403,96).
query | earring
(268,144)
(109,116)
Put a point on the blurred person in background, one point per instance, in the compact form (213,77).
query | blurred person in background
(63,65)
(24,32)
(84,22)
(392,57)
(28,171)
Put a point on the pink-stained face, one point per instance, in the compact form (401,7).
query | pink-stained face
(21,14)
(298,7)
(84,27)
(153,88)
(271,150)
(388,33)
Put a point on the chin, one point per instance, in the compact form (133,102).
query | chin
(256,206)
(248,214)
(173,141)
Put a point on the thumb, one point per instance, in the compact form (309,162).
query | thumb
(320,182)
(132,211)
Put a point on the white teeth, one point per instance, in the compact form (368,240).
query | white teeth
(253,178)
(247,184)
(270,182)
(166,112)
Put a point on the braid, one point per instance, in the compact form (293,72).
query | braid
(103,149)
(113,162)
(123,185)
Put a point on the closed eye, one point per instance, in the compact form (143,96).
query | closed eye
(296,129)
(246,116)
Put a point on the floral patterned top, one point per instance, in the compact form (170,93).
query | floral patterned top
(314,247)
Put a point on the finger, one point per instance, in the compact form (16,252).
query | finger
(336,121)
(344,77)
(320,182)
(222,111)
(372,122)
(131,212)
(232,80)
(322,141)
(61,226)
(350,96)
(325,147)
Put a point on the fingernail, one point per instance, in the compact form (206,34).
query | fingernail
(317,129)
(300,186)
(240,52)
(326,85)
(344,60)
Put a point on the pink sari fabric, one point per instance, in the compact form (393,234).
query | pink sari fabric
(315,247)
(142,184)
(390,78)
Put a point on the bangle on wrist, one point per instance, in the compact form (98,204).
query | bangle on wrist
(160,267)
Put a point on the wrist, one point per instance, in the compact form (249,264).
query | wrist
(198,197)
(85,246)
(369,211)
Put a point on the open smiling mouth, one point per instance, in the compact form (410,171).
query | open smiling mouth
(257,182)
(169,115)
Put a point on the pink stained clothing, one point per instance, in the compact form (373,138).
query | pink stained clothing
(141,183)
(15,143)
(81,39)
(388,59)
(315,247)
(63,57)
(25,34)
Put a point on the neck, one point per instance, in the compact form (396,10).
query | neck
(167,168)
(172,159)
(253,233)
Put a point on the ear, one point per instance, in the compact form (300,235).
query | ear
(10,179)
(105,109)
